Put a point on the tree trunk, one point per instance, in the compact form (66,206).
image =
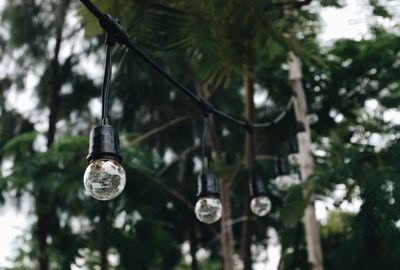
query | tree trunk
(224,183)
(41,236)
(193,247)
(226,226)
(103,228)
(41,203)
(248,161)
(55,82)
(314,249)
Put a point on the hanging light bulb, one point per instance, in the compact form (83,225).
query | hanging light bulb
(293,159)
(208,208)
(293,156)
(283,180)
(311,116)
(260,204)
(104,178)
(295,177)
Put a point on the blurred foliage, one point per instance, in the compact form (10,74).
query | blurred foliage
(351,84)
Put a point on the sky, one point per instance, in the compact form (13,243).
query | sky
(348,22)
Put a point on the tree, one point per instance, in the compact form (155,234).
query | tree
(49,26)
(228,52)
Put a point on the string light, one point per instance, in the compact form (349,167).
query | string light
(283,180)
(208,208)
(260,204)
(311,116)
(293,155)
(104,178)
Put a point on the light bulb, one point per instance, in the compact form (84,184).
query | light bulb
(312,118)
(293,159)
(295,178)
(208,209)
(104,179)
(284,182)
(260,206)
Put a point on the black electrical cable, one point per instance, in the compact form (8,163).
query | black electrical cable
(278,118)
(164,73)
(199,101)
(253,145)
(244,124)
(105,89)
(298,4)
(93,8)
(205,151)
(114,29)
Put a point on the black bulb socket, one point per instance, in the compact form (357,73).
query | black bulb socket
(257,187)
(104,144)
(207,185)
(280,167)
(300,127)
(293,147)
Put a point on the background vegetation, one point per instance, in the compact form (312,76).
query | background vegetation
(55,50)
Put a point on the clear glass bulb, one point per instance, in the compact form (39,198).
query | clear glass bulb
(293,159)
(104,179)
(312,118)
(295,178)
(208,210)
(260,206)
(284,182)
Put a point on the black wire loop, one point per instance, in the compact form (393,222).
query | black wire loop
(105,88)
(253,144)
(205,149)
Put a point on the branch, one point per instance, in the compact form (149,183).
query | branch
(266,157)
(159,129)
(178,159)
(232,176)
(230,223)
(152,176)
(174,193)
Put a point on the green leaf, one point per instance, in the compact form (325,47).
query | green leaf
(20,144)
(295,202)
